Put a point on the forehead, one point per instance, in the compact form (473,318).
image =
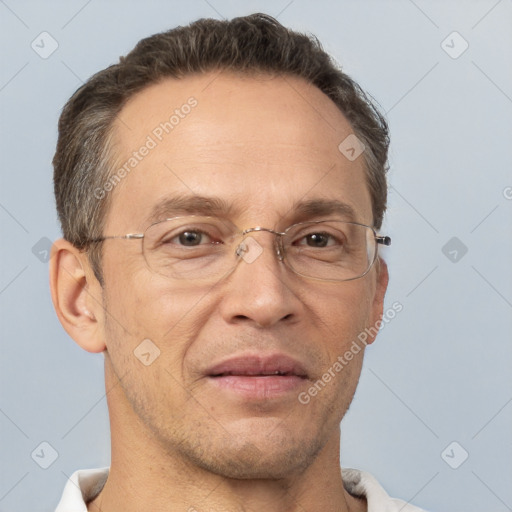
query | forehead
(260,144)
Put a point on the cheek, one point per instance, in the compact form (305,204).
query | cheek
(345,312)
(148,330)
(140,305)
(144,302)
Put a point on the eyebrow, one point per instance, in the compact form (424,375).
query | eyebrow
(303,210)
(189,205)
(174,206)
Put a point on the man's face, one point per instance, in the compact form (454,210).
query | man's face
(262,146)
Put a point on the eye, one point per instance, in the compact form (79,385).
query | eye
(318,240)
(183,237)
(191,238)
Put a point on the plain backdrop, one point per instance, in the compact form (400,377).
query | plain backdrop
(432,416)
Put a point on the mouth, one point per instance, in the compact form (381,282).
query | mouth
(257,376)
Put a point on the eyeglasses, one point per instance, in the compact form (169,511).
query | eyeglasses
(207,248)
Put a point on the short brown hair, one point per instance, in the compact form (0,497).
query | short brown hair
(83,159)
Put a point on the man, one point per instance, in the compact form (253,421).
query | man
(220,191)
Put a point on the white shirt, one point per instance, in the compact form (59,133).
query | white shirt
(84,485)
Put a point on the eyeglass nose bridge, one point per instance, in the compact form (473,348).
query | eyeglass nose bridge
(278,245)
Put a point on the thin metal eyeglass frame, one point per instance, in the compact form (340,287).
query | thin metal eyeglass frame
(280,251)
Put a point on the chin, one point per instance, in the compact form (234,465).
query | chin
(250,463)
(246,455)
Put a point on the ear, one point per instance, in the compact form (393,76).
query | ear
(377,310)
(76,296)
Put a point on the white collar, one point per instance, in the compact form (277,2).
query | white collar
(84,485)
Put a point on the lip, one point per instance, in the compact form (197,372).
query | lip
(258,376)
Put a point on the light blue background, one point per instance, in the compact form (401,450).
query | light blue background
(439,372)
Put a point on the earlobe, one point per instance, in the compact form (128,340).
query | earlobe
(76,296)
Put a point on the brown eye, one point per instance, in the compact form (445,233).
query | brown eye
(317,240)
(190,238)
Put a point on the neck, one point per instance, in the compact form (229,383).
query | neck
(146,476)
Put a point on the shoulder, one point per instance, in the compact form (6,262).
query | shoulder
(364,485)
(82,486)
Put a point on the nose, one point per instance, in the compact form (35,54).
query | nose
(261,290)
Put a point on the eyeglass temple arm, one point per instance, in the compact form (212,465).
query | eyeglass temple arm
(129,236)
(384,240)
